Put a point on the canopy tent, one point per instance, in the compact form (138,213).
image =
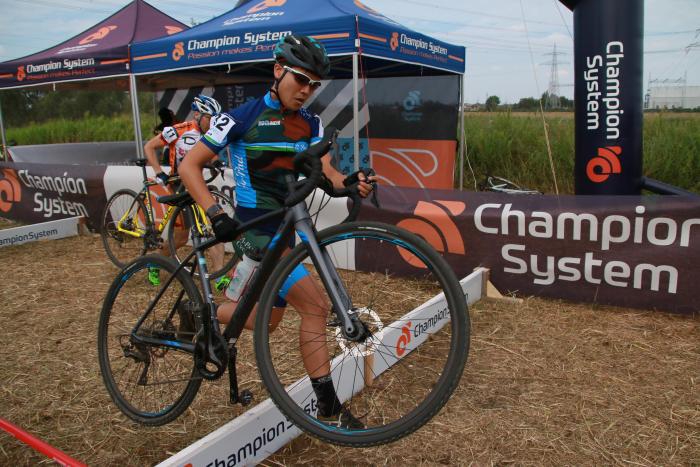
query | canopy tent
(236,47)
(249,33)
(101,51)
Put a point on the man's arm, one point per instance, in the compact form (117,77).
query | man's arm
(190,171)
(150,150)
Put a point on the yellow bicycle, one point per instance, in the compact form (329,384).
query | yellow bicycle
(130,228)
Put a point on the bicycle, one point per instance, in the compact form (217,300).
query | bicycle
(503,185)
(129,228)
(397,334)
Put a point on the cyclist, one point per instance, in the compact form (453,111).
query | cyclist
(180,138)
(264,135)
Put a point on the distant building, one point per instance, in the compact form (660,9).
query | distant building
(672,97)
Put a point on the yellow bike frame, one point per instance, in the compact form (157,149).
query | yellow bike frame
(200,218)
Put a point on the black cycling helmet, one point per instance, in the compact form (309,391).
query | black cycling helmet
(304,52)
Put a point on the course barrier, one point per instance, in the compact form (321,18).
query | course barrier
(35,443)
(262,430)
(51,230)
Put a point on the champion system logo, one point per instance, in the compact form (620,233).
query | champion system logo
(265,4)
(606,163)
(10,190)
(404,339)
(170,30)
(434,223)
(394,41)
(97,35)
(179,51)
(21,74)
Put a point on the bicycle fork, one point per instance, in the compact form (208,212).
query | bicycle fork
(337,292)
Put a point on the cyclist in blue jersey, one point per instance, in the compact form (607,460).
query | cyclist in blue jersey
(264,135)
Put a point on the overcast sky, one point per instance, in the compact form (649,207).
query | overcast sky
(499,61)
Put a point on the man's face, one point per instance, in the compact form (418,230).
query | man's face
(294,89)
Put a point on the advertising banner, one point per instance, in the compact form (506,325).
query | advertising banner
(631,251)
(34,193)
(609,85)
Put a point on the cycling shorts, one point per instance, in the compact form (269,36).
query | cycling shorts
(254,241)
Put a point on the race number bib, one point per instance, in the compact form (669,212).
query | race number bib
(219,129)
(169,134)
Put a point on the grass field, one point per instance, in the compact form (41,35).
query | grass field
(510,145)
(546,383)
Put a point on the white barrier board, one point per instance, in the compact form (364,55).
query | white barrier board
(262,430)
(51,230)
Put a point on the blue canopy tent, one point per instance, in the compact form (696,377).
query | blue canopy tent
(237,47)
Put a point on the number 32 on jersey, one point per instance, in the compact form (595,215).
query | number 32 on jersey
(219,129)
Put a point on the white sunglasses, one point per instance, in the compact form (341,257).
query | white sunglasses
(302,79)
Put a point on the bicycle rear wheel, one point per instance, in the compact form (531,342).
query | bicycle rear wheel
(219,261)
(399,375)
(151,384)
(126,209)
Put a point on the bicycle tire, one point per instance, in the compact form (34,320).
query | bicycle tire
(275,358)
(122,248)
(132,371)
(180,253)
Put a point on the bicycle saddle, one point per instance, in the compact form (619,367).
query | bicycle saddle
(182,199)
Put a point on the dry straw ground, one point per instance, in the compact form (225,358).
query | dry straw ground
(547,383)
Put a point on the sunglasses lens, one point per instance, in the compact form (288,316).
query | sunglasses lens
(303,80)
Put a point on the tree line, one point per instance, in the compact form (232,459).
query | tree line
(531,104)
(21,107)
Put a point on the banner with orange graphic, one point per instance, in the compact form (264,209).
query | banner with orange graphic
(33,193)
(413,162)
(641,252)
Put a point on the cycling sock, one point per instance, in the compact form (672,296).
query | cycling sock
(328,403)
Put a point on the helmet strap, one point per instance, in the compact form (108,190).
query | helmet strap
(274,90)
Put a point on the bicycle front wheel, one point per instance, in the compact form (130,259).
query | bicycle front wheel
(123,227)
(151,383)
(414,344)
(219,261)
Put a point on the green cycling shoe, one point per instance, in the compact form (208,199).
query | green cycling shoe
(222,282)
(154,276)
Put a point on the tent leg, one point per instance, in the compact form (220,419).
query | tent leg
(462,136)
(136,116)
(137,121)
(3,149)
(355,111)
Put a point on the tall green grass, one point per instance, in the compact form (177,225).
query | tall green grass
(513,146)
(97,128)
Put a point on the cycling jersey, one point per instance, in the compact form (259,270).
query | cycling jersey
(263,140)
(180,138)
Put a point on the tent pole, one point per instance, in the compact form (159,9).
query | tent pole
(137,119)
(462,136)
(3,149)
(355,111)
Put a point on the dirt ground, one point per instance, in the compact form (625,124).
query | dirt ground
(547,382)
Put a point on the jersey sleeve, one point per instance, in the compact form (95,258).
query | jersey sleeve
(169,135)
(223,129)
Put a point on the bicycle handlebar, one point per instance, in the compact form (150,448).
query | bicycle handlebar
(309,163)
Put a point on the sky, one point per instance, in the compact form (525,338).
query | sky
(508,41)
